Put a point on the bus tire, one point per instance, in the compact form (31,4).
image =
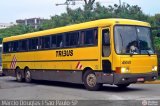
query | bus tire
(19,77)
(90,81)
(123,85)
(28,77)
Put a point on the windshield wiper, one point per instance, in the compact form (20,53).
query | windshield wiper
(148,52)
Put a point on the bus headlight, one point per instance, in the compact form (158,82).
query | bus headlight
(124,70)
(154,68)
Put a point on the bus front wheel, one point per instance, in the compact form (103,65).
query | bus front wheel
(90,81)
(19,77)
(28,75)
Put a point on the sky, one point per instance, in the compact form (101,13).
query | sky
(11,10)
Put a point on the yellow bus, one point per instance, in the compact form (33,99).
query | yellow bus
(106,51)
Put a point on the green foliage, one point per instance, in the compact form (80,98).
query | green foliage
(98,12)
(15,30)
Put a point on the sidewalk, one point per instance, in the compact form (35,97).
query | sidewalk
(152,82)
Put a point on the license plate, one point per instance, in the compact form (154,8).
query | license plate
(140,79)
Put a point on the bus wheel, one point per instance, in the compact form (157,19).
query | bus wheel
(123,85)
(19,75)
(90,81)
(28,76)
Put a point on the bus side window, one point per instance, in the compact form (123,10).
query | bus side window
(10,47)
(46,42)
(5,47)
(105,43)
(40,43)
(95,36)
(53,41)
(81,38)
(22,45)
(15,46)
(67,39)
(30,44)
(89,38)
(59,42)
(74,39)
(33,43)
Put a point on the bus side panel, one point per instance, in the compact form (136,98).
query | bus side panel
(48,65)
(52,75)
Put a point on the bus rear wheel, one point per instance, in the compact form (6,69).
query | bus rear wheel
(19,77)
(90,81)
(28,77)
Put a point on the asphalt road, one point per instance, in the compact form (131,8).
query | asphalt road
(49,90)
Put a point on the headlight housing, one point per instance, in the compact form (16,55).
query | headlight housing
(154,68)
(124,70)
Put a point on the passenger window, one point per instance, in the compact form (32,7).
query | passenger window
(30,44)
(95,36)
(81,38)
(89,38)
(5,47)
(67,39)
(40,43)
(59,42)
(33,44)
(14,46)
(46,42)
(71,39)
(53,41)
(23,45)
(74,39)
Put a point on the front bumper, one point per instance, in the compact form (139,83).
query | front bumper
(133,78)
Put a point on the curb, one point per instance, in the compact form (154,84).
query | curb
(152,82)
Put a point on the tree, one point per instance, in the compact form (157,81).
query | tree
(89,4)
(16,30)
(157,19)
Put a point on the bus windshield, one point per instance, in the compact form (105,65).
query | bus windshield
(133,40)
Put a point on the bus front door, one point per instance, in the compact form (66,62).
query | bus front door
(107,76)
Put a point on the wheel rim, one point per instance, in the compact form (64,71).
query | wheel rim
(91,80)
(28,76)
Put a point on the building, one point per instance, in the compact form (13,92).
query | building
(5,25)
(33,22)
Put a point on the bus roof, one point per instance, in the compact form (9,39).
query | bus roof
(85,25)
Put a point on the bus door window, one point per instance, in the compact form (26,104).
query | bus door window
(105,43)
